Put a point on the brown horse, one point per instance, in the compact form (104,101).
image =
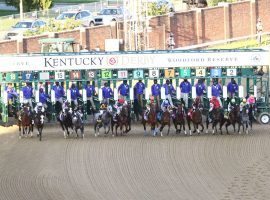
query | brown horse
(195,116)
(233,118)
(122,120)
(178,117)
(165,120)
(217,117)
(25,122)
(151,119)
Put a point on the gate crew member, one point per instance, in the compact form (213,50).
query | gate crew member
(90,91)
(59,92)
(43,97)
(124,90)
(140,87)
(74,94)
(200,89)
(12,94)
(28,93)
(232,88)
(106,93)
(185,87)
(217,90)
(169,91)
(156,92)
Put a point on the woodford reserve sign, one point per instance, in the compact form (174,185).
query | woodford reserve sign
(144,59)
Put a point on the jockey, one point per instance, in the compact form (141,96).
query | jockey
(65,105)
(39,108)
(26,104)
(78,112)
(118,106)
(251,100)
(165,104)
(231,105)
(243,104)
(214,105)
(149,102)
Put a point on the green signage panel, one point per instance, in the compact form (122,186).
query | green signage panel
(138,74)
(12,77)
(106,74)
(185,72)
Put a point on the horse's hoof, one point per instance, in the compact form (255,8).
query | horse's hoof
(95,135)
(20,137)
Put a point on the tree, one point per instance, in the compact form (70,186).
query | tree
(155,9)
(45,4)
(29,5)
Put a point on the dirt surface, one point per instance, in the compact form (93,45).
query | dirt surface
(133,167)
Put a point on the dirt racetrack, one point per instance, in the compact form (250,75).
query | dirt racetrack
(134,167)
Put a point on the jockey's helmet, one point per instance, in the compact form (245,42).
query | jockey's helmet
(39,104)
(25,102)
(166,101)
(122,101)
(251,99)
(233,100)
(41,90)
(244,100)
(214,97)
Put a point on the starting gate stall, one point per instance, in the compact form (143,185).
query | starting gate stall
(250,69)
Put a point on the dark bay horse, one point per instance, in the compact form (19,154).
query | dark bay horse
(151,120)
(77,121)
(178,117)
(65,120)
(165,120)
(122,120)
(39,123)
(233,118)
(25,122)
(217,118)
(195,116)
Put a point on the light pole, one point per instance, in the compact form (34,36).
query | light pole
(21,9)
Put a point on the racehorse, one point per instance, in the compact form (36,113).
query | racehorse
(251,114)
(77,122)
(151,120)
(39,123)
(65,120)
(165,120)
(217,117)
(195,116)
(122,120)
(233,118)
(25,122)
(245,122)
(178,117)
(103,120)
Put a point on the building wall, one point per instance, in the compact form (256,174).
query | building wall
(189,28)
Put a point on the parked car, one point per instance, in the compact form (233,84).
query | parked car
(108,15)
(84,16)
(22,26)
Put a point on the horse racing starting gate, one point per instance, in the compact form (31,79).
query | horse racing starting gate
(250,69)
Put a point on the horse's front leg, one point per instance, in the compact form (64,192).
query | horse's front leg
(176,126)
(144,127)
(161,128)
(207,125)
(169,127)
(202,127)
(214,124)
(226,126)
(184,128)
(116,127)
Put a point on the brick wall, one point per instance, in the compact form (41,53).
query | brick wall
(189,28)
(8,47)
(212,24)
(239,19)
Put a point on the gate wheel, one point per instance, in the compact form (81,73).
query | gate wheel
(264,118)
